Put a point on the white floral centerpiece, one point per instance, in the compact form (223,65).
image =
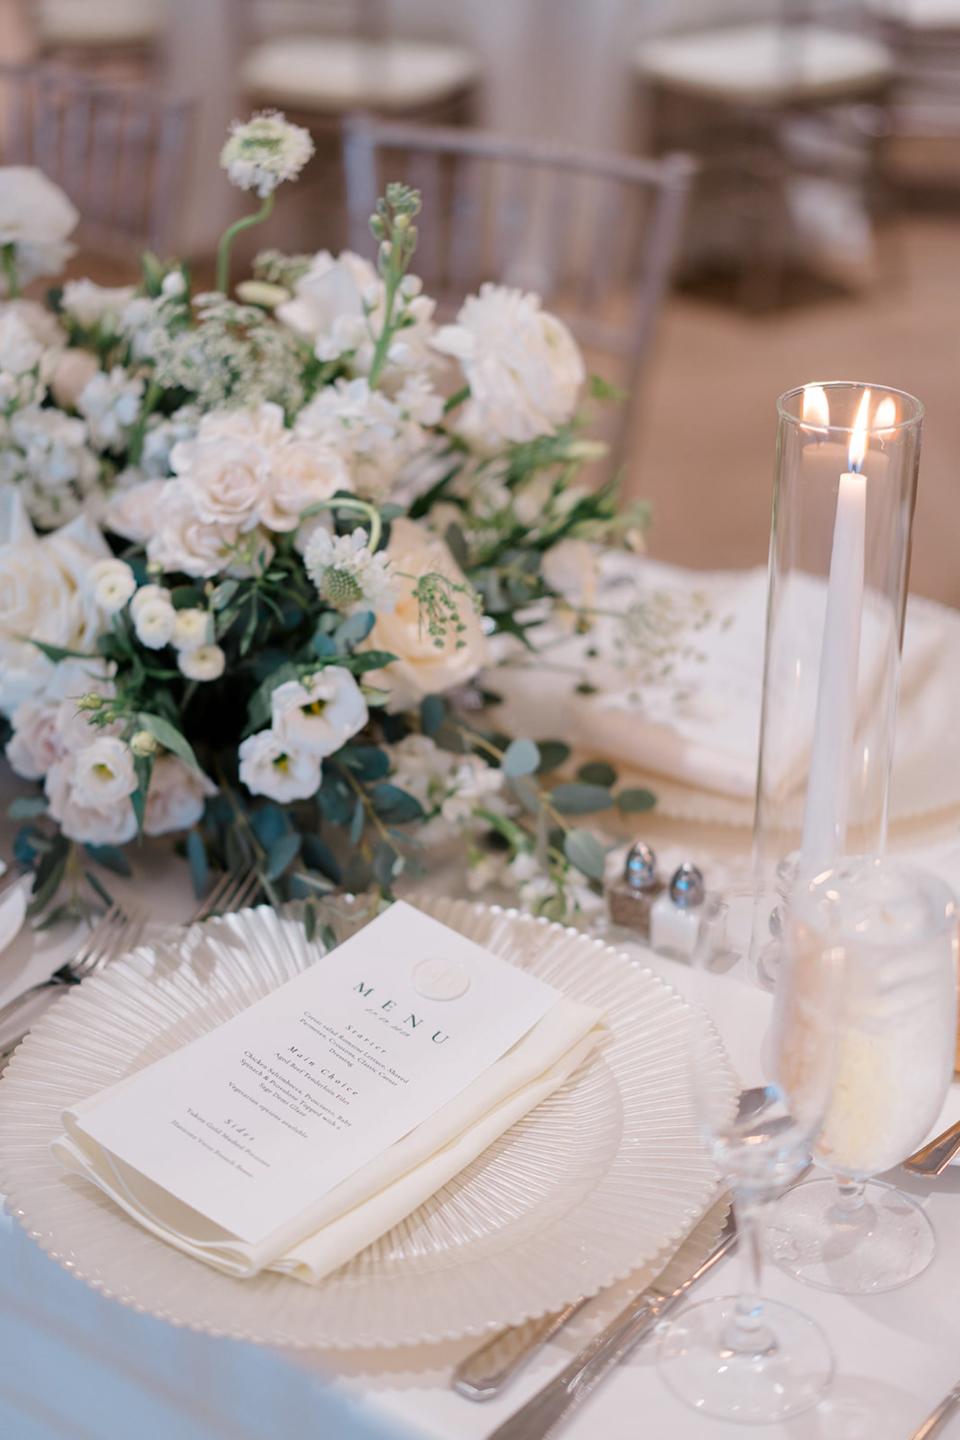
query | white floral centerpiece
(253,549)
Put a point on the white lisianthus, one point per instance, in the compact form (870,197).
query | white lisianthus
(191,629)
(320,714)
(35,218)
(206,662)
(522,364)
(330,301)
(224,477)
(264,151)
(153,616)
(425,664)
(88,303)
(185,542)
(35,743)
(113,823)
(104,773)
(112,583)
(347,574)
(70,372)
(302,473)
(269,767)
(176,796)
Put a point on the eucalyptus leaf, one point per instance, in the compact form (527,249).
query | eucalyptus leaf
(385,862)
(520,758)
(199,865)
(395,805)
(25,807)
(281,855)
(356,823)
(433,710)
(579,799)
(553,753)
(597,772)
(111,857)
(319,856)
(635,802)
(169,737)
(585,852)
(352,631)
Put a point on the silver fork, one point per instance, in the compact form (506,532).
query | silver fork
(233,891)
(116,931)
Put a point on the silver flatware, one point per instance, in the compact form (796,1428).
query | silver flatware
(565,1391)
(485,1372)
(935,1420)
(234,890)
(934,1157)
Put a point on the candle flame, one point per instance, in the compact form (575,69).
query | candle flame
(858,440)
(886,416)
(816,406)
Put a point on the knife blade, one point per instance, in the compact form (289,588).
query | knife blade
(565,1391)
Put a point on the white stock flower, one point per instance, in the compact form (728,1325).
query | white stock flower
(423,666)
(270,767)
(206,662)
(302,473)
(225,478)
(347,574)
(104,773)
(162,434)
(35,218)
(473,783)
(20,350)
(42,596)
(371,431)
(182,541)
(320,714)
(113,582)
(192,629)
(264,151)
(110,404)
(70,372)
(522,364)
(420,767)
(46,453)
(176,796)
(88,303)
(153,615)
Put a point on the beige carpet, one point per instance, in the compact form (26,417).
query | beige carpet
(706,435)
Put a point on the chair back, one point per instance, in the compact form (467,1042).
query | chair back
(594,234)
(359,19)
(118,151)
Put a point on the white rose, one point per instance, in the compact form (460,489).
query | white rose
(113,825)
(191,629)
(20,351)
(104,773)
(70,373)
(572,569)
(113,582)
(136,512)
(264,424)
(522,364)
(89,303)
(42,595)
(35,743)
(182,541)
(207,662)
(319,715)
(301,473)
(225,478)
(176,796)
(268,767)
(422,667)
(36,218)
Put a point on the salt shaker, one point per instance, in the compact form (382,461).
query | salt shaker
(675,914)
(631,898)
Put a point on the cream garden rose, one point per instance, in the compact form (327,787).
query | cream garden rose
(422,667)
(35,218)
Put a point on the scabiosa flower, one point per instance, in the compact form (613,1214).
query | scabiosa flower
(347,574)
(264,151)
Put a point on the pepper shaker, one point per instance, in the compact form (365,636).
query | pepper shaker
(631,898)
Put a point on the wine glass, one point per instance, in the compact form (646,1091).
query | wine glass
(893,930)
(742,1358)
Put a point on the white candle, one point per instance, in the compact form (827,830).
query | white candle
(828,786)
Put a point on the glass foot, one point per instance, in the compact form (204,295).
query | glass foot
(885,1242)
(788,1371)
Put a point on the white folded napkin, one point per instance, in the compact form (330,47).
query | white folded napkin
(696,716)
(377,1196)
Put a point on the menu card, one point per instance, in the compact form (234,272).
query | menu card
(264,1115)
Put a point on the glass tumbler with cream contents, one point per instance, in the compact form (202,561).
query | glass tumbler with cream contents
(892,931)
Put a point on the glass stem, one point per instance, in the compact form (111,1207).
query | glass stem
(747,1332)
(850,1200)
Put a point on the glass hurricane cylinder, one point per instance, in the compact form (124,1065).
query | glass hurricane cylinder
(843,502)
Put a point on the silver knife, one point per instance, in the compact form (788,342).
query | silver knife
(560,1395)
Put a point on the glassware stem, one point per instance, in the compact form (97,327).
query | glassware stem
(850,1206)
(747,1332)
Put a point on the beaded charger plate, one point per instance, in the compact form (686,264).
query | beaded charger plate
(600,1179)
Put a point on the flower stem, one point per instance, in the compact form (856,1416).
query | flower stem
(9,264)
(230,234)
(392,284)
(361,507)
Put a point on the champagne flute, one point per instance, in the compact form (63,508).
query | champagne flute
(893,931)
(743,1358)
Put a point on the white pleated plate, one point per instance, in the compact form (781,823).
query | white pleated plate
(599,1180)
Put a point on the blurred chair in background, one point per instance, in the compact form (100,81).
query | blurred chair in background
(595,235)
(117,150)
(924,36)
(766,103)
(102,35)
